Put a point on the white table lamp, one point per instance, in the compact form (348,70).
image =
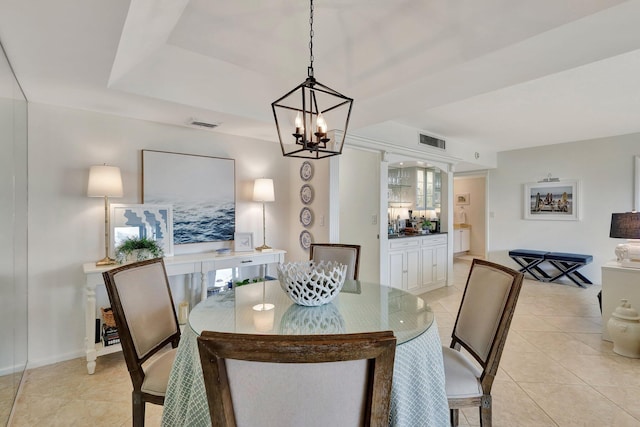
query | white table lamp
(263,192)
(105,181)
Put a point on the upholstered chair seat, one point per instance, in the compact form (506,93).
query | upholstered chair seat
(348,255)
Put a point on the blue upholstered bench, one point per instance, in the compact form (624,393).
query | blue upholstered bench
(566,264)
(529,261)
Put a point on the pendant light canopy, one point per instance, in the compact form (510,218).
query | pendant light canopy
(303,114)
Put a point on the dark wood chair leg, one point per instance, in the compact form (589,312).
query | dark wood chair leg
(454,414)
(138,410)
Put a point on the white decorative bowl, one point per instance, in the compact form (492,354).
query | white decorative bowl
(311,284)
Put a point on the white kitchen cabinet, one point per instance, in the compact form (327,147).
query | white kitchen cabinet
(404,263)
(418,264)
(461,240)
(434,262)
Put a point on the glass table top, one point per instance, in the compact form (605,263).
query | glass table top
(360,307)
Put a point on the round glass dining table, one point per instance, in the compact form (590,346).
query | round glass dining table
(418,391)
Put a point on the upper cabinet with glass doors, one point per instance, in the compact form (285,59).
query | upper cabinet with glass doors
(414,187)
(428,184)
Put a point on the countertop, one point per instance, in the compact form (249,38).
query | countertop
(402,236)
(460,226)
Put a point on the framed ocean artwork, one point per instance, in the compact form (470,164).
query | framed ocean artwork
(201,190)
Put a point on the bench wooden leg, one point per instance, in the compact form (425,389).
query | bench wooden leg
(529,265)
(569,269)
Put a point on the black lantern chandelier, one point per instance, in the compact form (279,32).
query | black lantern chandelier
(303,113)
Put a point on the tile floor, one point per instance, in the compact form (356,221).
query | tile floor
(555,370)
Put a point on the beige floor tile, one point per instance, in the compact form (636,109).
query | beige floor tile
(595,341)
(628,398)
(578,405)
(575,323)
(528,322)
(557,345)
(536,367)
(517,344)
(604,370)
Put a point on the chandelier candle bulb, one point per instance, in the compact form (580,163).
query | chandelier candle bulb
(299,124)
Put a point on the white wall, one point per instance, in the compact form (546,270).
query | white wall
(605,169)
(66,227)
(359,204)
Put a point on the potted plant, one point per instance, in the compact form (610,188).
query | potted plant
(138,249)
(426,226)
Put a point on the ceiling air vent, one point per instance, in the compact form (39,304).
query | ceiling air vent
(433,142)
(200,123)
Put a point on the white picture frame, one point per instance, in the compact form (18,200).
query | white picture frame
(556,200)
(243,242)
(141,220)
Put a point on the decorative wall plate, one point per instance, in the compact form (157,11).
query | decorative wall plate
(306,171)
(306,217)
(305,239)
(306,194)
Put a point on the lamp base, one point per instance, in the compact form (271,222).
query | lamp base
(106,261)
(264,248)
(628,254)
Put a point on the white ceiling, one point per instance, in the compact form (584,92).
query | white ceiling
(503,74)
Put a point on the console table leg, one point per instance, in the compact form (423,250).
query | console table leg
(90,324)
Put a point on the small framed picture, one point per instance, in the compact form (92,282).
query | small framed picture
(242,242)
(462,199)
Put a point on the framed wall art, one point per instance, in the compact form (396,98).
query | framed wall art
(558,200)
(201,190)
(146,220)
(463,199)
(243,242)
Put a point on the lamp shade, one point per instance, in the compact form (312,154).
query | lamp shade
(263,190)
(104,181)
(625,225)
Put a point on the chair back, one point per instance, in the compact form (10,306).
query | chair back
(294,380)
(143,310)
(485,313)
(344,254)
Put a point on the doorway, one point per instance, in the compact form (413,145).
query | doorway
(470,215)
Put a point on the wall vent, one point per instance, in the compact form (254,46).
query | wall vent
(202,124)
(433,142)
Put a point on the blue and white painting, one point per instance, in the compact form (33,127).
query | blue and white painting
(151,221)
(201,190)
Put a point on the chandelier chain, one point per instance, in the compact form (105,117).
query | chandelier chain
(310,70)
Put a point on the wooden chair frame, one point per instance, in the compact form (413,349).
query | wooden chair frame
(378,347)
(339,245)
(490,363)
(133,361)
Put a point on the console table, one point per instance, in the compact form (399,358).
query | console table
(176,265)
(617,283)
